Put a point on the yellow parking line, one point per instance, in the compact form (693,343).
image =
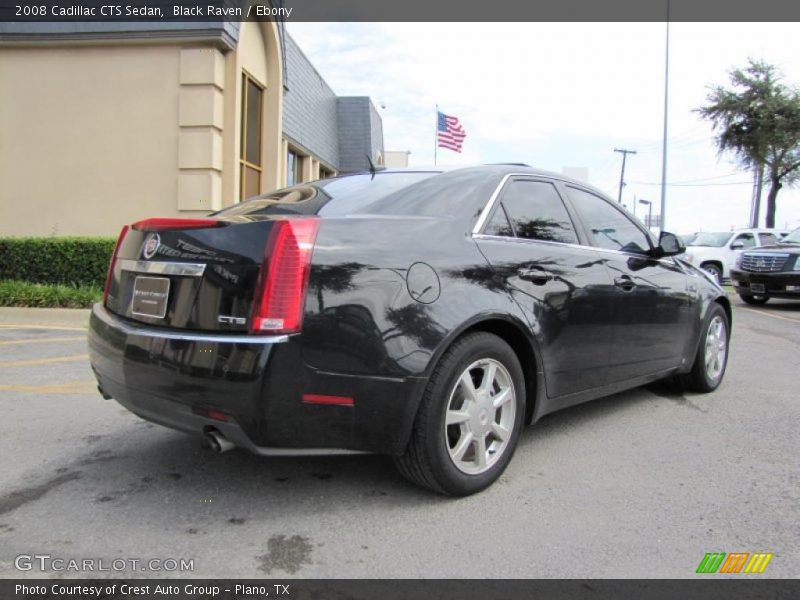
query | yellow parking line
(43,340)
(53,327)
(42,361)
(766,314)
(77,387)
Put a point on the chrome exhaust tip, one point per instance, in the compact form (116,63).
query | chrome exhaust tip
(218,442)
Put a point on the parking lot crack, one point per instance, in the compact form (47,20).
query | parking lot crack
(13,500)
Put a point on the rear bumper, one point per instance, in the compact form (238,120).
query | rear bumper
(776,285)
(169,376)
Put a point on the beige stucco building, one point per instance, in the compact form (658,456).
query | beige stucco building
(100,127)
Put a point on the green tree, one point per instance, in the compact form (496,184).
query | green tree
(758,120)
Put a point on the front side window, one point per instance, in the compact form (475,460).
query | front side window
(250,151)
(536,212)
(747,240)
(608,227)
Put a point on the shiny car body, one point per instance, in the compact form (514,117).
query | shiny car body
(427,315)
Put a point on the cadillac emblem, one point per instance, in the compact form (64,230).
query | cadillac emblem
(151,245)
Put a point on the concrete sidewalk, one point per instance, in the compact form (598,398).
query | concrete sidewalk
(44,317)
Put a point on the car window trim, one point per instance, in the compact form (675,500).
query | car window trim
(648,236)
(494,201)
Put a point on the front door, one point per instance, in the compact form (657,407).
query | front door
(651,305)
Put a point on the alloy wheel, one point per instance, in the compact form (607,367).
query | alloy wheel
(480,418)
(716,348)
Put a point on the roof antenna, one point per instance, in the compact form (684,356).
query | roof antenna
(372,168)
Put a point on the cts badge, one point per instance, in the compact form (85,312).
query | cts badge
(151,245)
(231,320)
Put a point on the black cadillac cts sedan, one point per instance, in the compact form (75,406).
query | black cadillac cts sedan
(424,314)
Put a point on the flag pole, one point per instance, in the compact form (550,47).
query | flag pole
(436,135)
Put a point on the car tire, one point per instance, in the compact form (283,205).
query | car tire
(712,355)
(756,300)
(467,425)
(713,270)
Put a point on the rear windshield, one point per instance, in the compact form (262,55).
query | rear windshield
(350,194)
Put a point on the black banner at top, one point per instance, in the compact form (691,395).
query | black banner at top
(176,11)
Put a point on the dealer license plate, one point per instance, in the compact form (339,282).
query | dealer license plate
(150,295)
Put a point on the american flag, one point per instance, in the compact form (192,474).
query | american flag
(449,133)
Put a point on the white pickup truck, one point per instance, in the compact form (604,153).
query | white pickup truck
(716,251)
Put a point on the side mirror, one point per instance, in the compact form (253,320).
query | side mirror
(737,245)
(669,244)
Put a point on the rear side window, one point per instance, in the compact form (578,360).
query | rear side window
(608,226)
(498,224)
(536,212)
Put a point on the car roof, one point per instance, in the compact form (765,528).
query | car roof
(497,169)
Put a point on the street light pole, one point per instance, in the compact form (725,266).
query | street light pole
(662,219)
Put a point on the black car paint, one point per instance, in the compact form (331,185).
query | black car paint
(373,334)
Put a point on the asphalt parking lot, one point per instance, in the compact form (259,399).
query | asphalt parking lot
(641,484)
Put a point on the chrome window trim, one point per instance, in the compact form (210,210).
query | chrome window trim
(163,268)
(517,240)
(170,334)
(487,209)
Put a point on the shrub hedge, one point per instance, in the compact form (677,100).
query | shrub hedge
(38,295)
(73,261)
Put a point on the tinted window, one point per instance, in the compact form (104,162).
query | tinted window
(498,224)
(338,196)
(608,227)
(537,212)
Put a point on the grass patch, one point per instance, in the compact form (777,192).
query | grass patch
(39,295)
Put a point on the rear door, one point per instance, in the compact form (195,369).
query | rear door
(651,313)
(564,289)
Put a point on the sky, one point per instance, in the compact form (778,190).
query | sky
(557,95)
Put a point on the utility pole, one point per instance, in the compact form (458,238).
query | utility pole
(622,174)
(755,206)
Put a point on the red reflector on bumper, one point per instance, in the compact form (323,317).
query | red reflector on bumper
(319,399)
(211,413)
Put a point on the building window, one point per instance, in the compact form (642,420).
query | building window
(294,168)
(325,173)
(250,162)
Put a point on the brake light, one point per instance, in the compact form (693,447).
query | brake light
(281,288)
(164,224)
(112,263)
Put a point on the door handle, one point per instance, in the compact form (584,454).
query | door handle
(535,276)
(624,282)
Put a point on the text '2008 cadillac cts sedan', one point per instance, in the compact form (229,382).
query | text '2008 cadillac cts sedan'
(428,315)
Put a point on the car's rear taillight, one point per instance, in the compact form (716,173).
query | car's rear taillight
(281,288)
(164,224)
(112,263)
